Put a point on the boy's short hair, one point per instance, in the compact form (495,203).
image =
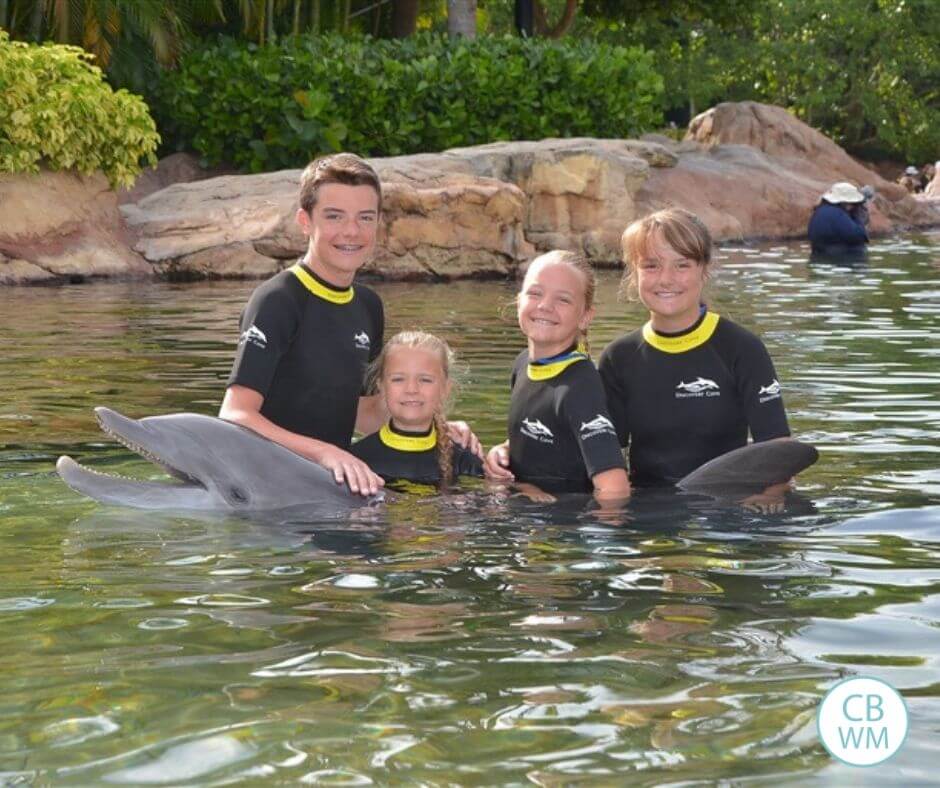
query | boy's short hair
(346,168)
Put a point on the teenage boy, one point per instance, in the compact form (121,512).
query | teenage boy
(308,333)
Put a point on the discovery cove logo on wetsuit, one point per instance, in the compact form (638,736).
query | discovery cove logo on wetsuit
(362,340)
(255,336)
(599,424)
(769,392)
(700,387)
(533,428)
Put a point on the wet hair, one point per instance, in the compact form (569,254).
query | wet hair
(681,230)
(580,264)
(421,340)
(345,168)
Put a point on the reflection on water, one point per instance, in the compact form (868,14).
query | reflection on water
(479,638)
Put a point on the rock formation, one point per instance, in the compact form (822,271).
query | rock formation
(58,226)
(749,170)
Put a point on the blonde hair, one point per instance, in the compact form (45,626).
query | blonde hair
(421,340)
(345,168)
(580,264)
(683,231)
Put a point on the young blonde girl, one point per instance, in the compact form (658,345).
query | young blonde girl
(561,438)
(413,376)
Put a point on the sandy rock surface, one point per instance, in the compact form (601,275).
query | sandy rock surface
(749,170)
(755,171)
(58,226)
(175,168)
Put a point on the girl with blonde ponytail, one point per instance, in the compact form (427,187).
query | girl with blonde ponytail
(412,374)
(561,438)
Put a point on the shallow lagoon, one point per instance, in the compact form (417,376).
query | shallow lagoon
(473,639)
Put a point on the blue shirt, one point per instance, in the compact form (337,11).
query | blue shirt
(832,229)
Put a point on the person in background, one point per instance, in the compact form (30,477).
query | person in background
(838,224)
(913,180)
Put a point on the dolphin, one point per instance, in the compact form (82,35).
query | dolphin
(219,467)
(751,468)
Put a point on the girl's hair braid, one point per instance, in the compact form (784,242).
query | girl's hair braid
(445,450)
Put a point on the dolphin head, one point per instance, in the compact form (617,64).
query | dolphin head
(216,465)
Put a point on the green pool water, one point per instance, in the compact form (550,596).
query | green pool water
(473,639)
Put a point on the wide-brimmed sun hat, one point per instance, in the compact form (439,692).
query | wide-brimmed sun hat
(843,192)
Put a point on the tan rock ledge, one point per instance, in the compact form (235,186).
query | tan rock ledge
(751,171)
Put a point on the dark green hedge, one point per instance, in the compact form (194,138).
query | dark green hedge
(263,108)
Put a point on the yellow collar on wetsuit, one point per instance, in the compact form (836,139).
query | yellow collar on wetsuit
(401,442)
(319,289)
(682,342)
(544,369)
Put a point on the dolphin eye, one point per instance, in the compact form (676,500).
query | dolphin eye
(238,495)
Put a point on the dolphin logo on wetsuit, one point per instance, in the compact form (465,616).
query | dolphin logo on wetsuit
(698,385)
(599,422)
(254,335)
(771,389)
(534,428)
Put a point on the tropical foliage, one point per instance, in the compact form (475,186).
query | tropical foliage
(57,110)
(279,105)
(866,72)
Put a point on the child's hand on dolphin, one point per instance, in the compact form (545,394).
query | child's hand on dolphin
(461,433)
(349,469)
(496,464)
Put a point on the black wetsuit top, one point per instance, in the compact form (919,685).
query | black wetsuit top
(679,400)
(304,347)
(399,455)
(560,433)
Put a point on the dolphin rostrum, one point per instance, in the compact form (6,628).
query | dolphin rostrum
(751,468)
(219,466)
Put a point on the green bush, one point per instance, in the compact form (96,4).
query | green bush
(262,108)
(58,111)
(865,72)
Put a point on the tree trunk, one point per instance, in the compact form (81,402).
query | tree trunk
(63,21)
(404,18)
(462,18)
(542,26)
(315,18)
(525,18)
(35,23)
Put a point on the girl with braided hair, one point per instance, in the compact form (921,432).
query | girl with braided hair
(412,375)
